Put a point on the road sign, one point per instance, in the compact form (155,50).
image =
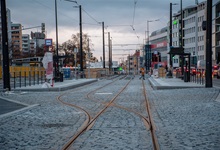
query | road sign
(48,42)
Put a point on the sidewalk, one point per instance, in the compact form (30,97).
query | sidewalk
(7,106)
(171,83)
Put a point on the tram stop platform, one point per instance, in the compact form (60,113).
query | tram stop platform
(172,83)
(57,86)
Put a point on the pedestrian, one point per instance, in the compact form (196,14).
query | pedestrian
(142,71)
(166,68)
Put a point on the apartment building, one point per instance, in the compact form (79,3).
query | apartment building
(37,42)
(133,63)
(16,40)
(25,44)
(216,31)
(194,37)
(176,41)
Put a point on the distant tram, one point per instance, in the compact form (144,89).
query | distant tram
(30,61)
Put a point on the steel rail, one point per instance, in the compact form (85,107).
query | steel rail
(152,126)
(68,145)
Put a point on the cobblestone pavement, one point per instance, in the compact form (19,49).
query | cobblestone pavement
(119,128)
(46,126)
(184,119)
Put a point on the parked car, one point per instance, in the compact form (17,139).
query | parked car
(218,73)
(215,69)
(193,71)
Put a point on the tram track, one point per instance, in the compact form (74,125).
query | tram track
(91,119)
(89,116)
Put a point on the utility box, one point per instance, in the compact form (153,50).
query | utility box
(66,72)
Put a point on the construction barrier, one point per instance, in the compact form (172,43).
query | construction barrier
(23,71)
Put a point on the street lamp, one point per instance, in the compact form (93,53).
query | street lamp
(147,54)
(148,29)
(171,15)
(103,41)
(80,34)
(208,77)
(57,58)
(5,66)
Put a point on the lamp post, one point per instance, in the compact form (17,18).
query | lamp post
(5,66)
(148,29)
(208,76)
(148,54)
(170,35)
(181,38)
(196,49)
(103,41)
(80,34)
(57,58)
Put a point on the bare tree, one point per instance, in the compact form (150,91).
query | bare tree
(70,45)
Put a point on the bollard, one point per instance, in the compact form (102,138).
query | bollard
(20,78)
(14,81)
(25,78)
(34,77)
(29,78)
(37,77)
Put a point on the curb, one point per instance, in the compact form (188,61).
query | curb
(55,89)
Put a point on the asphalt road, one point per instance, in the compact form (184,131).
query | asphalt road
(7,106)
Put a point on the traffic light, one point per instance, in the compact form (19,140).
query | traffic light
(42,27)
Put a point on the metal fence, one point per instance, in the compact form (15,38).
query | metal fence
(196,76)
(27,78)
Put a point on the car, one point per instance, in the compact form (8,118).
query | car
(193,71)
(218,73)
(215,69)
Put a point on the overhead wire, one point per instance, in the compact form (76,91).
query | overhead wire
(54,10)
(98,22)
(135,3)
(133,20)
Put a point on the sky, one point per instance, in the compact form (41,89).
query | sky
(126,20)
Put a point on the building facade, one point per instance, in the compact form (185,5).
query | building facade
(25,44)
(133,63)
(194,36)
(216,31)
(16,40)
(37,42)
(158,42)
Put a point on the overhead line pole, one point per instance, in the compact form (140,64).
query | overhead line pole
(5,73)
(109,51)
(208,76)
(170,33)
(80,26)
(57,59)
(103,36)
(182,57)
